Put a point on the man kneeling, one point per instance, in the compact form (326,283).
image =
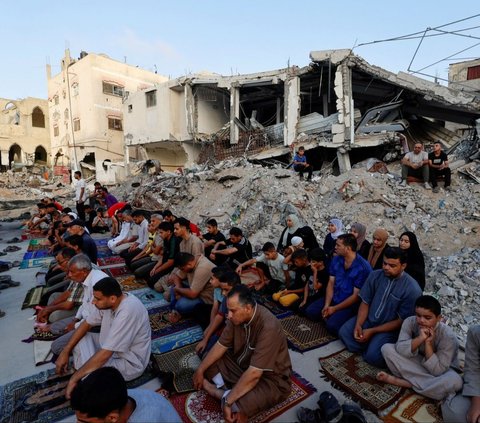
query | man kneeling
(249,365)
(124,339)
(103,396)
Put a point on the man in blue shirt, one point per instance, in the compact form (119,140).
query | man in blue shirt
(300,164)
(348,272)
(103,396)
(388,297)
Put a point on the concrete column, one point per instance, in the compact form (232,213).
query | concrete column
(234,113)
(291,109)
(279,111)
(343,160)
(126,153)
(190,110)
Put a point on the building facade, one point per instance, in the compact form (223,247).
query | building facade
(24,133)
(85,106)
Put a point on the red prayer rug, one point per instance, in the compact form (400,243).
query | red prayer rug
(199,407)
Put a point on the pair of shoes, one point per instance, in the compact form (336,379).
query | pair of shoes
(436,190)
(2,313)
(14,240)
(403,183)
(427,185)
(11,249)
(329,407)
(307,415)
(448,188)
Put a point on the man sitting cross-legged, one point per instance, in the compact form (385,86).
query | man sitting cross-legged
(249,365)
(424,353)
(124,340)
(388,297)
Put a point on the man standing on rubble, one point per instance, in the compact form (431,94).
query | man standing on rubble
(415,163)
(80,194)
(438,162)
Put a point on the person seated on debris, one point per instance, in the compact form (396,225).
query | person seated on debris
(465,406)
(99,222)
(150,254)
(108,199)
(316,286)
(423,356)
(58,206)
(189,243)
(348,272)
(80,270)
(90,215)
(186,297)
(77,227)
(271,268)
(377,248)
(335,229)
(293,228)
(136,247)
(158,278)
(95,195)
(41,220)
(170,217)
(438,162)
(124,341)
(223,280)
(237,249)
(212,236)
(415,260)
(248,374)
(128,233)
(387,299)
(102,395)
(415,163)
(300,164)
(290,297)
(359,231)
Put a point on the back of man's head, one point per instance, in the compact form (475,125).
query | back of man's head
(100,393)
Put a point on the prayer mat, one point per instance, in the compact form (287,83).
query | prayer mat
(42,353)
(181,363)
(32,236)
(108,261)
(40,262)
(41,336)
(33,297)
(161,326)
(200,407)
(40,241)
(177,340)
(303,334)
(37,254)
(129,282)
(150,298)
(415,408)
(119,271)
(41,397)
(350,373)
(100,242)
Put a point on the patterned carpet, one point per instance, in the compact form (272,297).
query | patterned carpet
(303,334)
(348,371)
(413,407)
(200,407)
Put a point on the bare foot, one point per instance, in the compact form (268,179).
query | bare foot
(393,380)
(45,328)
(212,390)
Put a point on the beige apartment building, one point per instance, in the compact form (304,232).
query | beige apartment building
(24,133)
(85,106)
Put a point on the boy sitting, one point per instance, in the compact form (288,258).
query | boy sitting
(425,352)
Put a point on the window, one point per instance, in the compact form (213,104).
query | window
(55,131)
(75,88)
(66,114)
(115,124)
(151,97)
(473,73)
(38,118)
(55,100)
(76,125)
(130,108)
(113,89)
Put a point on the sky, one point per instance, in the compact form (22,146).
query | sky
(187,36)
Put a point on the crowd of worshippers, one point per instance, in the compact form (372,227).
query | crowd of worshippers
(368,293)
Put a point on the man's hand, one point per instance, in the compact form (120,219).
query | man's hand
(358,333)
(239,270)
(212,255)
(328,311)
(473,414)
(201,346)
(61,365)
(228,414)
(42,316)
(70,327)
(198,380)
(71,385)
(366,335)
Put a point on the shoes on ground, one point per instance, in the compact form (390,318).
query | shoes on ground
(403,183)
(427,185)
(436,190)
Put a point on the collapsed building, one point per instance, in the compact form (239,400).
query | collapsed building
(339,107)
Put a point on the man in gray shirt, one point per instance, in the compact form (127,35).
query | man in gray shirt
(415,163)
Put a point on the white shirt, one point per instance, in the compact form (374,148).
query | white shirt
(92,278)
(78,190)
(416,158)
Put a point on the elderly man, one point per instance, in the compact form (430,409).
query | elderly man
(388,297)
(80,270)
(415,163)
(124,340)
(141,226)
(77,227)
(249,365)
(124,239)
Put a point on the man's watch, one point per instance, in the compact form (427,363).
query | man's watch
(226,403)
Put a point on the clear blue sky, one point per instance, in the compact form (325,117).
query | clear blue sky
(222,36)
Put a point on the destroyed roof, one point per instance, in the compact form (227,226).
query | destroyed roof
(429,94)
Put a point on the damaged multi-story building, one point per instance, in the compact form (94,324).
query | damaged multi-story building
(85,105)
(339,107)
(24,133)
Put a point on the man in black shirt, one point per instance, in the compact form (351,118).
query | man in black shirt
(212,236)
(438,162)
(237,250)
